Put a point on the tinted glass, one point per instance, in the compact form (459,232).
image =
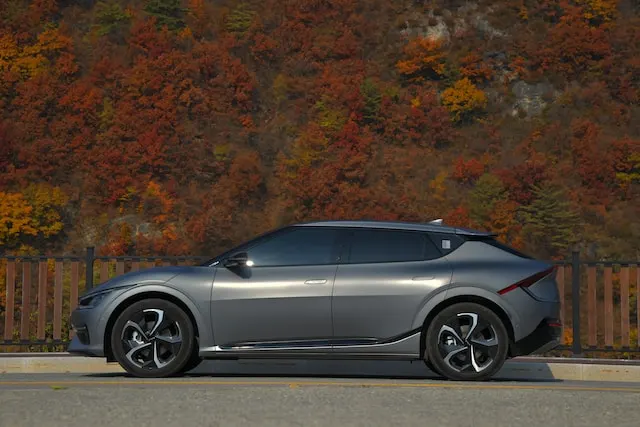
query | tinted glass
(297,246)
(390,246)
(504,247)
(446,242)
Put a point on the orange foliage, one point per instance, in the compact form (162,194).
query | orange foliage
(474,68)
(424,59)
(255,115)
(572,47)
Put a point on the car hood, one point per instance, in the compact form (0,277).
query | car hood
(155,275)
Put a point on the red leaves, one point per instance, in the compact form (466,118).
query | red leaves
(520,178)
(572,47)
(256,115)
(417,119)
(458,217)
(467,171)
(146,39)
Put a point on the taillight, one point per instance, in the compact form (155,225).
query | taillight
(525,283)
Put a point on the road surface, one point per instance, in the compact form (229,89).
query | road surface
(208,400)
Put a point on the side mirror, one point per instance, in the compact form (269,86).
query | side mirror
(236,260)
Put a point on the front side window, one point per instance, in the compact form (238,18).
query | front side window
(369,246)
(296,246)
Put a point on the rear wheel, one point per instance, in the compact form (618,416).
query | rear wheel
(153,338)
(467,341)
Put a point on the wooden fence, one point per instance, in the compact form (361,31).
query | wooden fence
(600,300)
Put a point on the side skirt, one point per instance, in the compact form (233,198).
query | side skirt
(403,347)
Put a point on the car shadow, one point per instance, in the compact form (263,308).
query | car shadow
(336,369)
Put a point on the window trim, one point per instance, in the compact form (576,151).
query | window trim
(349,239)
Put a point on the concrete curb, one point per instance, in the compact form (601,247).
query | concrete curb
(528,369)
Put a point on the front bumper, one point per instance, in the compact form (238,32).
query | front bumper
(88,339)
(544,338)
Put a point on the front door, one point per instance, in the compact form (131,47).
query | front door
(282,298)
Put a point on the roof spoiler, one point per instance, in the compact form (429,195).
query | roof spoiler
(466,231)
(470,233)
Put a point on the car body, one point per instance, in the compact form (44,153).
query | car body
(455,298)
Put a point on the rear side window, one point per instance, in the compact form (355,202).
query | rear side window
(495,243)
(446,242)
(373,246)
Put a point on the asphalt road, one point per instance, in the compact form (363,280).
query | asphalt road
(209,400)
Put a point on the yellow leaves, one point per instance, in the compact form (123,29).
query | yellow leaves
(309,147)
(185,34)
(8,49)
(279,88)
(633,174)
(31,59)
(424,58)
(463,98)
(15,218)
(329,118)
(34,213)
(438,187)
(503,220)
(523,13)
(599,10)
(159,204)
(46,202)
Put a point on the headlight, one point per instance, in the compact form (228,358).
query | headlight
(92,300)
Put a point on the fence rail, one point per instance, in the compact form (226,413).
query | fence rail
(600,300)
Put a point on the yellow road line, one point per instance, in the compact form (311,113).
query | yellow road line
(320,383)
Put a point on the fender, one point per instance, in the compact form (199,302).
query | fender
(465,291)
(204,328)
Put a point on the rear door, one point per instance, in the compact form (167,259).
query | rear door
(384,279)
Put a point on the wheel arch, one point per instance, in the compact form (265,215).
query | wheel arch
(139,296)
(471,298)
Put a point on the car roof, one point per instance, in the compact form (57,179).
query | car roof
(435,226)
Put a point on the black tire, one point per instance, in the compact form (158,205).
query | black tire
(194,361)
(472,353)
(159,352)
(430,366)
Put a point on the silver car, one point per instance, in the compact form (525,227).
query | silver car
(454,298)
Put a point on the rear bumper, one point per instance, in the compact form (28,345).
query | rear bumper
(544,338)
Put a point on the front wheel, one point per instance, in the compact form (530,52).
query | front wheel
(153,338)
(467,342)
(194,361)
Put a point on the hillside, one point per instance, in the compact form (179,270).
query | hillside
(183,127)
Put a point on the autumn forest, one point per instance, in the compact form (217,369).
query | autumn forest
(183,127)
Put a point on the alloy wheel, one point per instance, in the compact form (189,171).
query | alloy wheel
(151,339)
(467,342)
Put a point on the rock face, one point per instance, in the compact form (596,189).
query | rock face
(530,98)
(450,22)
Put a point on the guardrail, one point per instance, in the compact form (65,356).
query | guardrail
(600,300)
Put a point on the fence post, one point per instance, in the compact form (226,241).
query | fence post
(89,258)
(575,293)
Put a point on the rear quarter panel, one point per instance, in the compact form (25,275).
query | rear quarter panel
(482,270)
